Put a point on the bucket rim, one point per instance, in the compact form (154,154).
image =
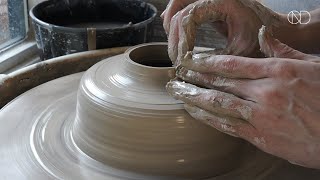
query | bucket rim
(84,29)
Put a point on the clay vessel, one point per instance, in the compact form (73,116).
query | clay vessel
(126,119)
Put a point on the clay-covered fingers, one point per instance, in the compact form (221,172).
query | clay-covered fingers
(199,13)
(229,66)
(212,100)
(172,8)
(185,23)
(272,47)
(175,33)
(232,126)
(173,40)
(238,87)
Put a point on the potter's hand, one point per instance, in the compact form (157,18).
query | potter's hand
(239,19)
(172,8)
(274,103)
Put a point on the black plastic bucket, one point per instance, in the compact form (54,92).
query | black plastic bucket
(69,26)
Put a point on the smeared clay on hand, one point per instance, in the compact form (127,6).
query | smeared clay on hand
(271,102)
(211,100)
(241,18)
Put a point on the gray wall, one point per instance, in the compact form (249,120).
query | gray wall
(285,6)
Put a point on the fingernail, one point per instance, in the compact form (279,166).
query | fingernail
(162,14)
(188,55)
(183,59)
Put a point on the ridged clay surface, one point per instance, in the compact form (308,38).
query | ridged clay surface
(126,119)
(120,124)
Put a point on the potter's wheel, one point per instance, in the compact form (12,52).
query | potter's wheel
(37,147)
(37,142)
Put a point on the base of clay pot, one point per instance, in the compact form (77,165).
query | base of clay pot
(126,119)
(38,143)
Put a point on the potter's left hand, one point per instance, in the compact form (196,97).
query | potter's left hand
(274,103)
(238,20)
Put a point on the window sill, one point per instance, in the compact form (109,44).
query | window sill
(18,56)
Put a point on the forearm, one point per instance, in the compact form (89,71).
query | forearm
(303,37)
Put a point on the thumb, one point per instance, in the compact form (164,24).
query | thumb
(272,47)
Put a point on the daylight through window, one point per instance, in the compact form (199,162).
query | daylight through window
(12,22)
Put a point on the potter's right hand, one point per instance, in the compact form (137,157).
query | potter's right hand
(240,21)
(271,102)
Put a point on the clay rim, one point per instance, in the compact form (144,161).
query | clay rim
(129,51)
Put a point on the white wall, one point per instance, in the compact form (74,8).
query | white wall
(32,3)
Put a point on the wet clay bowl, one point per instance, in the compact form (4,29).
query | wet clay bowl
(115,121)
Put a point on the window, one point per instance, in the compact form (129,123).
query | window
(13,19)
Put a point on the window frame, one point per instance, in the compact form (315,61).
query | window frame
(16,40)
(22,52)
